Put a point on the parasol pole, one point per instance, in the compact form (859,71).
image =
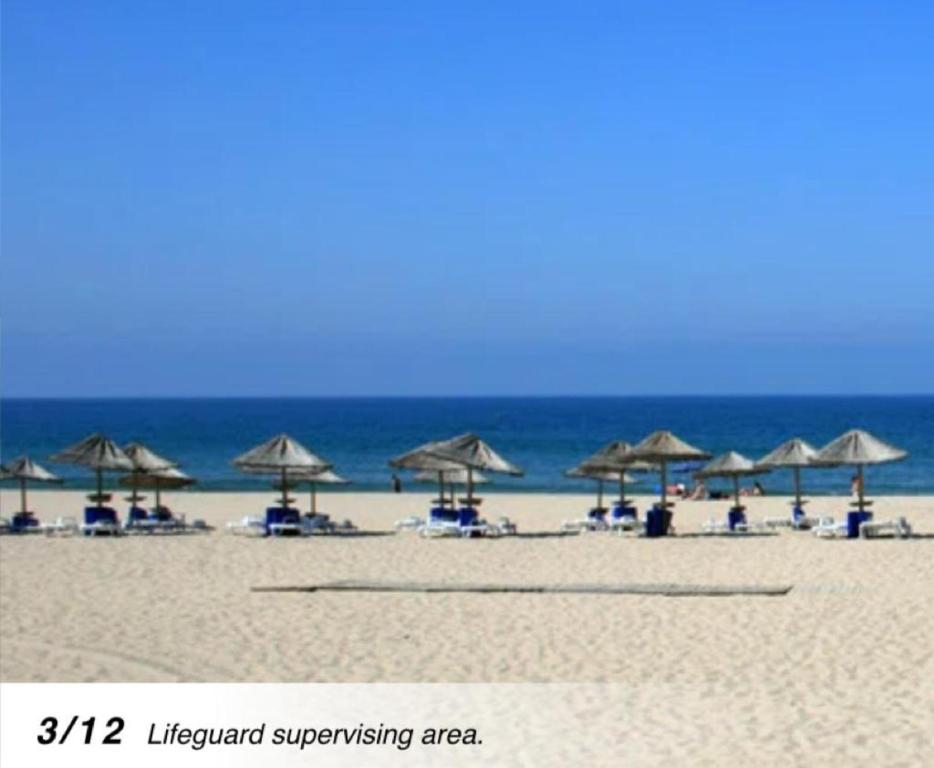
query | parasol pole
(100,488)
(798,487)
(736,491)
(284,490)
(664,484)
(600,493)
(859,488)
(22,494)
(314,498)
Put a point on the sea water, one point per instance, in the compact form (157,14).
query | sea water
(544,436)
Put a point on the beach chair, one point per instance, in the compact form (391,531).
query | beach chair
(283,521)
(828,528)
(64,525)
(25,522)
(504,527)
(4,525)
(412,523)
(898,527)
(316,524)
(595,521)
(100,521)
(625,519)
(248,525)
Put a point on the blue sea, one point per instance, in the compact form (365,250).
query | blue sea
(545,436)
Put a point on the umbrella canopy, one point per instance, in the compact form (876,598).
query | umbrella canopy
(661,447)
(734,465)
(144,460)
(25,469)
(163,478)
(858,448)
(421,459)
(730,464)
(157,480)
(465,451)
(280,455)
(101,454)
(97,452)
(470,451)
(602,476)
(794,453)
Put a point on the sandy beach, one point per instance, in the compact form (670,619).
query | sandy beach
(853,639)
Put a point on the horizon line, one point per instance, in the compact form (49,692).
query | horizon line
(528,396)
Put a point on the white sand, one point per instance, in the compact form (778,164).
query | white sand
(853,641)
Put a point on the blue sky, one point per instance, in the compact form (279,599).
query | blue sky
(307,198)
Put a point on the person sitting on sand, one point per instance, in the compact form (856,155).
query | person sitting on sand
(757,489)
(699,493)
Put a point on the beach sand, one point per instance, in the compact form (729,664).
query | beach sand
(839,668)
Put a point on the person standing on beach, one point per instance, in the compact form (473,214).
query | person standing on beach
(396,484)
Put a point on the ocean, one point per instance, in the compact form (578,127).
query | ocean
(545,436)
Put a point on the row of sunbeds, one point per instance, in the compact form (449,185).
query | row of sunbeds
(104,521)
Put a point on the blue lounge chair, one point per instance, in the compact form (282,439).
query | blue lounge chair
(24,522)
(100,521)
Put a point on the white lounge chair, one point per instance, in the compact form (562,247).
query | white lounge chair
(828,528)
(100,528)
(63,525)
(412,523)
(899,527)
(585,524)
(626,524)
(248,526)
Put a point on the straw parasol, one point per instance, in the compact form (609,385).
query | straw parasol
(420,459)
(581,470)
(157,480)
(144,461)
(465,451)
(660,448)
(451,478)
(794,453)
(326,477)
(612,461)
(734,465)
(280,455)
(99,453)
(25,469)
(858,448)
(471,452)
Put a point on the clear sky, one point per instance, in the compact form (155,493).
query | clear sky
(303,198)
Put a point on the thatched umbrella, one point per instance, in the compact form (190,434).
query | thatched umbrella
(794,453)
(144,461)
(858,448)
(25,469)
(157,480)
(660,448)
(280,455)
(419,459)
(581,470)
(471,452)
(451,478)
(612,461)
(733,465)
(327,477)
(99,453)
